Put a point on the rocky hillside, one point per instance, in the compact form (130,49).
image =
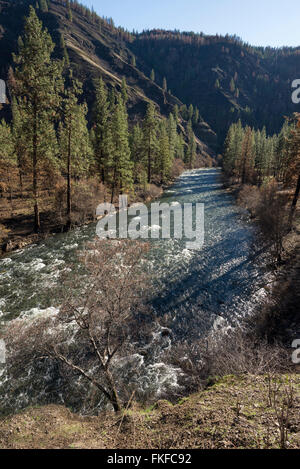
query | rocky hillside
(235,412)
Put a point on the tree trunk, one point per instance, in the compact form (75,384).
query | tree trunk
(149,160)
(115,401)
(113,186)
(21,182)
(244,171)
(69,209)
(295,200)
(37,223)
(10,197)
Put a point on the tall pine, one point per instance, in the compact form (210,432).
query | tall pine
(38,82)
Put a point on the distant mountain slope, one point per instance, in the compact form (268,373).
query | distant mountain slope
(224,77)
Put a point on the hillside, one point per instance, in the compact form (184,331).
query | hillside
(226,78)
(222,76)
(94,50)
(235,413)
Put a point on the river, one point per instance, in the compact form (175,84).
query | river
(201,291)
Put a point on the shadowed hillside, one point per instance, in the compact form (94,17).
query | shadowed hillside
(94,47)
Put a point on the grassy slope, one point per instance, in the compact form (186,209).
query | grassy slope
(234,413)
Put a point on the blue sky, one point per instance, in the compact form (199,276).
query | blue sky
(259,22)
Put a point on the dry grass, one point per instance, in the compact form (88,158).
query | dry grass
(236,412)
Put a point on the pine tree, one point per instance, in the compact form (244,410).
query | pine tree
(150,138)
(233,149)
(8,160)
(38,82)
(112,99)
(232,85)
(64,51)
(180,145)
(133,61)
(20,141)
(260,155)
(196,116)
(191,148)
(152,75)
(172,134)
(69,11)
(124,91)
(184,112)
(164,161)
(176,114)
(43,6)
(102,134)
(247,156)
(282,154)
(120,166)
(165,85)
(136,148)
(74,139)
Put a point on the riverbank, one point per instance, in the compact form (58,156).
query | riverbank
(18,234)
(237,412)
(17,220)
(278,318)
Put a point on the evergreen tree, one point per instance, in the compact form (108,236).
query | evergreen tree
(179,148)
(232,85)
(150,138)
(120,166)
(247,156)
(69,11)
(172,134)
(196,116)
(124,90)
(136,148)
(260,155)
(112,99)
(20,141)
(38,82)
(43,5)
(233,149)
(74,139)
(191,148)
(152,75)
(176,114)
(8,160)
(164,161)
(165,85)
(282,156)
(64,51)
(101,130)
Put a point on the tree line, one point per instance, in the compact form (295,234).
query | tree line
(253,157)
(49,133)
(268,170)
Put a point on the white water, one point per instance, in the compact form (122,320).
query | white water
(201,291)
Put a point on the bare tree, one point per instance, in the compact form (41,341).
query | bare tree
(103,313)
